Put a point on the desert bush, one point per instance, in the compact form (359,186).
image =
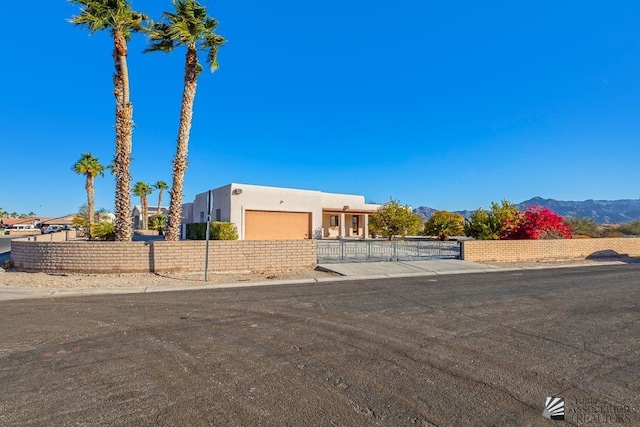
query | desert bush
(217,231)
(393,219)
(444,224)
(489,224)
(583,227)
(158,222)
(537,222)
(630,229)
(103,231)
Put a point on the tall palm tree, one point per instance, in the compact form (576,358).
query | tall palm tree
(190,27)
(160,186)
(142,190)
(90,167)
(121,20)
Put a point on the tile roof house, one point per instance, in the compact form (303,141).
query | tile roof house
(9,222)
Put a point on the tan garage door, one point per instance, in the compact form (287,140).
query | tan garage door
(267,225)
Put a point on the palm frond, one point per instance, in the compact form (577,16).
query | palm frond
(114,15)
(188,26)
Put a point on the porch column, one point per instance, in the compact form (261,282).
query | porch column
(342,220)
(365,227)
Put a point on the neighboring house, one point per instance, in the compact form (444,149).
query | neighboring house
(61,220)
(272,213)
(9,222)
(151,211)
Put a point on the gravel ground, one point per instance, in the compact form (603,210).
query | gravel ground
(12,278)
(42,280)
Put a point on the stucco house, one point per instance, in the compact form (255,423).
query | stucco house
(136,214)
(273,213)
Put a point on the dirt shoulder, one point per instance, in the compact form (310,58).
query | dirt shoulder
(12,278)
(565,262)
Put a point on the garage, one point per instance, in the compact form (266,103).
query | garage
(270,225)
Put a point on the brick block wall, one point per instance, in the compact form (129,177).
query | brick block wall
(17,232)
(544,250)
(161,256)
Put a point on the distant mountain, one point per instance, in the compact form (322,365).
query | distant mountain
(601,211)
(425,211)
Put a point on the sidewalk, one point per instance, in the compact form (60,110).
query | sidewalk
(347,271)
(390,269)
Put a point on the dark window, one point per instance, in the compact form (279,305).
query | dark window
(201,216)
(218,215)
(354,222)
(334,220)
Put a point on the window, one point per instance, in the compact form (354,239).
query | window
(218,215)
(201,216)
(354,223)
(334,220)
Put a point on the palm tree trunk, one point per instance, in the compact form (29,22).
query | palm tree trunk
(180,160)
(90,200)
(145,214)
(159,202)
(124,131)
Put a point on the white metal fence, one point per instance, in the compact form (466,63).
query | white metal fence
(383,250)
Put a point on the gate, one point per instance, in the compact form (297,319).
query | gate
(383,250)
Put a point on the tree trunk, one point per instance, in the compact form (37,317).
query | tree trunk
(90,201)
(159,202)
(124,131)
(180,160)
(145,213)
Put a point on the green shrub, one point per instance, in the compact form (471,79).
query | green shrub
(217,231)
(393,219)
(632,229)
(158,222)
(444,224)
(612,231)
(103,231)
(583,226)
(490,224)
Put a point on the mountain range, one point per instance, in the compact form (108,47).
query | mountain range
(601,211)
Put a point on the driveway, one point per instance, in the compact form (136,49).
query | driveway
(5,243)
(5,247)
(456,350)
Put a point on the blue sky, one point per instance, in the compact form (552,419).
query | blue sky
(451,105)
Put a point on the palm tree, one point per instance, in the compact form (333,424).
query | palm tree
(160,186)
(90,167)
(190,27)
(444,224)
(121,20)
(142,190)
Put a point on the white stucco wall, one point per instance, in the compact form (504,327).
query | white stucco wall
(187,214)
(339,201)
(254,197)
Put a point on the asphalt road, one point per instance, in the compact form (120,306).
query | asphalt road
(458,350)
(5,243)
